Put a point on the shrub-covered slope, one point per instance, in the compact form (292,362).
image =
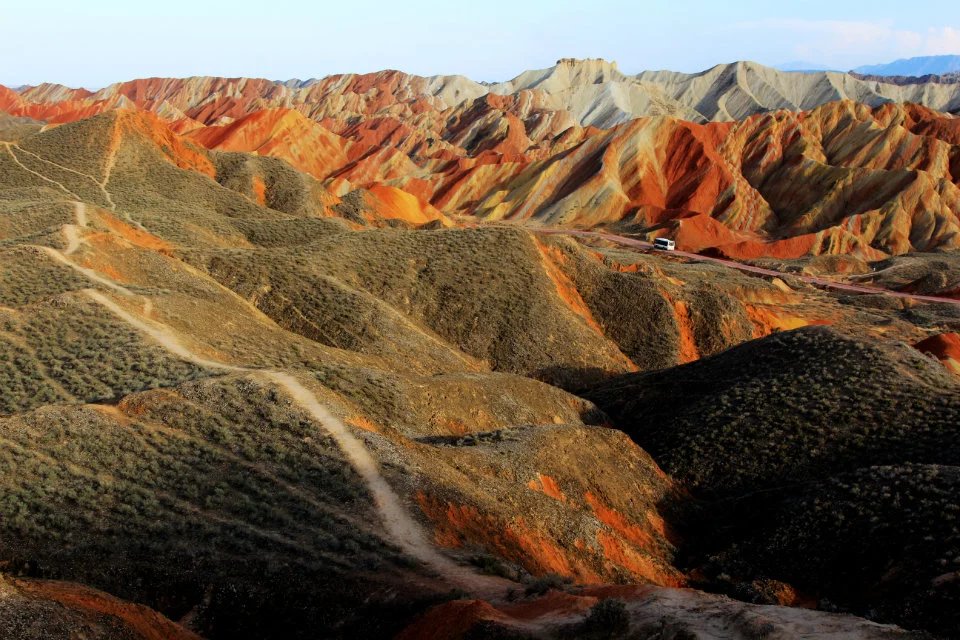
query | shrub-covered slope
(820,461)
(791,407)
(224,387)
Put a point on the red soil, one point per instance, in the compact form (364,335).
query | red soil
(460,525)
(945,347)
(547,486)
(618,522)
(137,237)
(146,623)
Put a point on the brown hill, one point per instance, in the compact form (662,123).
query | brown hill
(263,409)
(879,176)
(805,476)
(42,609)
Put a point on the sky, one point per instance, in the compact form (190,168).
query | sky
(93,43)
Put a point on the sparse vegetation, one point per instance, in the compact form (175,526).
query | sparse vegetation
(80,348)
(27,277)
(881,542)
(788,408)
(824,462)
(484,292)
(284,188)
(29,218)
(548,582)
(220,487)
(470,440)
(607,619)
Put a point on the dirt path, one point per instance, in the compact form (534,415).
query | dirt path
(101,185)
(72,231)
(399,524)
(160,334)
(72,234)
(13,155)
(81,214)
(108,168)
(72,237)
(89,273)
(401,527)
(733,264)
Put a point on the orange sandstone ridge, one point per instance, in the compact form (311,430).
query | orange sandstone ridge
(843,178)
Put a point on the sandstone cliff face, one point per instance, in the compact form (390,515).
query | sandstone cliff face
(945,347)
(840,179)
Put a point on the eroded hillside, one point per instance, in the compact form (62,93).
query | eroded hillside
(804,478)
(739,160)
(265,408)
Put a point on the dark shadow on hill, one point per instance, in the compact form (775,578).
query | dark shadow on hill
(573,379)
(216,500)
(824,471)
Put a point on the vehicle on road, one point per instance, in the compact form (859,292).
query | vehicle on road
(664,244)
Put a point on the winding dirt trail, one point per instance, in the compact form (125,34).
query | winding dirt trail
(399,524)
(100,184)
(81,213)
(160,334)
(72,234)
(59,185)
(108,168)
(72,231)
(733,264)
(88,273)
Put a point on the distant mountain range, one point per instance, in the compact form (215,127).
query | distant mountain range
(585,92)
(922,66)
(583,144)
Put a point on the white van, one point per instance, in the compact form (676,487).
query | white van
(664,244)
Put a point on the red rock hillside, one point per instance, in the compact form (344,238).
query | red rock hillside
(843,178)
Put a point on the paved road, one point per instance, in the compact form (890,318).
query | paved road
(733,264)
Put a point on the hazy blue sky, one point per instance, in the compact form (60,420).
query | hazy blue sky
(92,43)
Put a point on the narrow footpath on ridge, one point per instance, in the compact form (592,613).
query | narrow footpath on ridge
(400,526)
